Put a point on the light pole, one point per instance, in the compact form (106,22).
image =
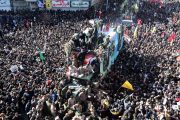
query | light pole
(106,5)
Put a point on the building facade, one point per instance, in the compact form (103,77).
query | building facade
(45,4)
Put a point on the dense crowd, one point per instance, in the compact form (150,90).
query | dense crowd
(37,88)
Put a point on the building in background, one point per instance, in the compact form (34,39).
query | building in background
(5,5)
(45,4)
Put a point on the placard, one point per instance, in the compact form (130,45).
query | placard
(79,3)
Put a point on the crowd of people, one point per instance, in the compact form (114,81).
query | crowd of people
(37,88)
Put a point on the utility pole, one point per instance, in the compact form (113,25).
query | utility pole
(106,5)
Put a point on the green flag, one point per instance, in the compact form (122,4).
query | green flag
(41,55)
(178,53)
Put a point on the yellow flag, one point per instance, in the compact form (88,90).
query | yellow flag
(154,29)
(171,42)
(127,85)
(135,32)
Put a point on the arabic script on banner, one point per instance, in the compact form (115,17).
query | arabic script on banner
(60,3)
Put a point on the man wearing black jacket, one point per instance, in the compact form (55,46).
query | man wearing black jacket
(76,42)
(81,57)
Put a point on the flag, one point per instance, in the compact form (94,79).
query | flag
(41,55)
(27,24)
(172,37)
(169,87)
(154,29)
(171,42)
(100,15)
(158,1)
(174,19)
(127,85)
(127,32)
(48,82)
(179,53)
(162,34)
(151,1)
(160,4)
(157,107)
(135,32)
(139,22)
(178,99)
(107,28)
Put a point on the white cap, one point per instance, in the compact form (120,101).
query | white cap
(57,118)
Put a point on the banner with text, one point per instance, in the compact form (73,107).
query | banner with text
(4,3)
(79,3)
(61,3)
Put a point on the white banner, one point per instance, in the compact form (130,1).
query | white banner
(79,3)
(4,3)
(61,3)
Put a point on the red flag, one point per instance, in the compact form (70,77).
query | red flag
(127,32)
(151,1)
(27,24)
(48,82)
(174,19)
(107,28)
(158,1)
(172,37)
(160,4)
(146,33)
(178,99)
(162,34)
(139,22)
(100,15)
